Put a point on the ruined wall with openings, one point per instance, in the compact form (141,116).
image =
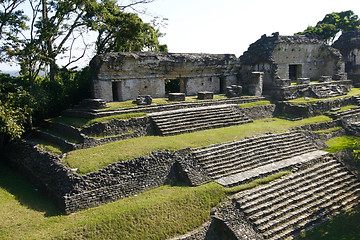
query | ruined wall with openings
(123,76)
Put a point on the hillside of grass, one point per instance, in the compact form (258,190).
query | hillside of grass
(92,159)
(155,214)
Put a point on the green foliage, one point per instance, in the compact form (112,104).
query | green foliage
(333,23)
(120,31)
(15,106)
(12,22)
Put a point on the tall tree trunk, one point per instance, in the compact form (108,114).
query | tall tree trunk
(49,44)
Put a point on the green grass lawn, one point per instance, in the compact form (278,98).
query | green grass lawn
(345,108)
(254,104)
(92,159)
(155,214)
(329,130)
(353,92)
(343,227)
(159,213)
(341,143)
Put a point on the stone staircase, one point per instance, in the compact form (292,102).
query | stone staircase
(356,100)
(237,162)
(327,90)
(96,113)
(345,114)
(300,201)
(196,119)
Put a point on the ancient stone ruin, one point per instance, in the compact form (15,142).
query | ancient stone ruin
(318,186)
(349,46)
(124,76)
(271,66)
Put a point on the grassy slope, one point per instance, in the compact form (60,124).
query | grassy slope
(155,214)
(344,227)
(341,143)
(91,159)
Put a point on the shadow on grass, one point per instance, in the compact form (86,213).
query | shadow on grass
(345,226)
(24,192)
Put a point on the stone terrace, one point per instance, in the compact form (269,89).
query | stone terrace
(237,162)
(158,107)
(300,201)
(195,119)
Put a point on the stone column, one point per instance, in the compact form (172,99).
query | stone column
(256,84)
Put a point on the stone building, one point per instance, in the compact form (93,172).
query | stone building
(349,46)
(123,76)
(284,58)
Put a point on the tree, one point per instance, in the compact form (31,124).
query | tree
(12,22)
(120,31)
(332,24)
(15,106)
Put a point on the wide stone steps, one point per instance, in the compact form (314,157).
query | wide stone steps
(199,120)
(189,113)
(299,201)
(248,143)
(273,187)
(356,100)
(222,160)
(195,119)
(236,167)
(346,113)
(216,158)
(329,90)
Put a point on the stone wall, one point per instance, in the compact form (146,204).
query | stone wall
(311,90)
(123,76)
(289,57)
(119,126)
(71,192)
(259,112)
(307,110)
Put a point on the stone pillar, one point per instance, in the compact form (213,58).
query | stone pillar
(256,84)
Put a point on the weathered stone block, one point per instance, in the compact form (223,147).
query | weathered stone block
(176,96)
(300,81)
(282,82)
(144,100)
(92,104)
(325,79)
(205,95)
(234,91)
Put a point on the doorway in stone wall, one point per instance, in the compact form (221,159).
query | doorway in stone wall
(172,85)
(115,91)
(294,71)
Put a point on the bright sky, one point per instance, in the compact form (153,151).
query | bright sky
(230,26)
